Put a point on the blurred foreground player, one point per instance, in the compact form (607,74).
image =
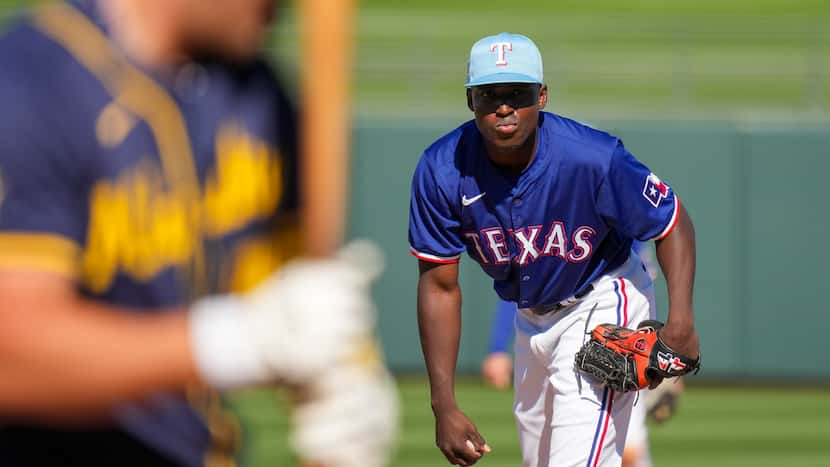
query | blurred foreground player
(149,210)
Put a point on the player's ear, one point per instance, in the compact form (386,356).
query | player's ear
(470,100)
(543,97)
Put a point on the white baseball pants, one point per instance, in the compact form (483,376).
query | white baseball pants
(564,417)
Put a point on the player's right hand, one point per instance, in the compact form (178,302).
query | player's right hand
(458,438)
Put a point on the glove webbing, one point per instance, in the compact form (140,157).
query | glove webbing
(607,366)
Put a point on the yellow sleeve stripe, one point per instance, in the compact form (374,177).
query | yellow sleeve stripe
(42,252)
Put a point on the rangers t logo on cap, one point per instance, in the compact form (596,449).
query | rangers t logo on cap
(502,48)
(517,60)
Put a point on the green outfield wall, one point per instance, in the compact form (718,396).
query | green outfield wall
(757,197)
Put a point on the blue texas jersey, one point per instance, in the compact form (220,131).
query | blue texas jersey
(147,191)
(546,233)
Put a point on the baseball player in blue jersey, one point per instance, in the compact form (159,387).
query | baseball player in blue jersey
(147,224)
(549,209)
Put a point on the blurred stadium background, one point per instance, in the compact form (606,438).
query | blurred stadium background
(729,101)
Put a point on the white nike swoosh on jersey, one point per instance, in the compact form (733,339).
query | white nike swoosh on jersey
(468,201)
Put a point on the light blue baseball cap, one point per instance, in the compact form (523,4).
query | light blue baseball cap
(504,58)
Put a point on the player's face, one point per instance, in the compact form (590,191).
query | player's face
(231,29)
(507,114)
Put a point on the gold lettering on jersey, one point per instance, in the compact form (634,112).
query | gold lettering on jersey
(247,184)
(138,226)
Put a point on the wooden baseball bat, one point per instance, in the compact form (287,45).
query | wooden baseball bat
(327,52)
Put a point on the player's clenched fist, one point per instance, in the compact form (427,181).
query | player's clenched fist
(458,438)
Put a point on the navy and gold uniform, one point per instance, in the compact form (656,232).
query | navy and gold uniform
(148,190)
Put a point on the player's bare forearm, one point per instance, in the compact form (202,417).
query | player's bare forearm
(63,357)
(439,323)
(676,255)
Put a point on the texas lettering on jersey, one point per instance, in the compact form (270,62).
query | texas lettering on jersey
(532,245)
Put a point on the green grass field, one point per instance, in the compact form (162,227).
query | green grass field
(715,427)
(604,59)
(739,59)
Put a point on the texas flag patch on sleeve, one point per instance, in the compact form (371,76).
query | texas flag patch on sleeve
(655,190)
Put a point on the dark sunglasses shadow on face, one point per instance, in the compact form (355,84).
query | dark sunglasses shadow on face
(488,99)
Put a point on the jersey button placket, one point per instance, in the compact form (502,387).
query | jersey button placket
(517,223)
(517,218)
